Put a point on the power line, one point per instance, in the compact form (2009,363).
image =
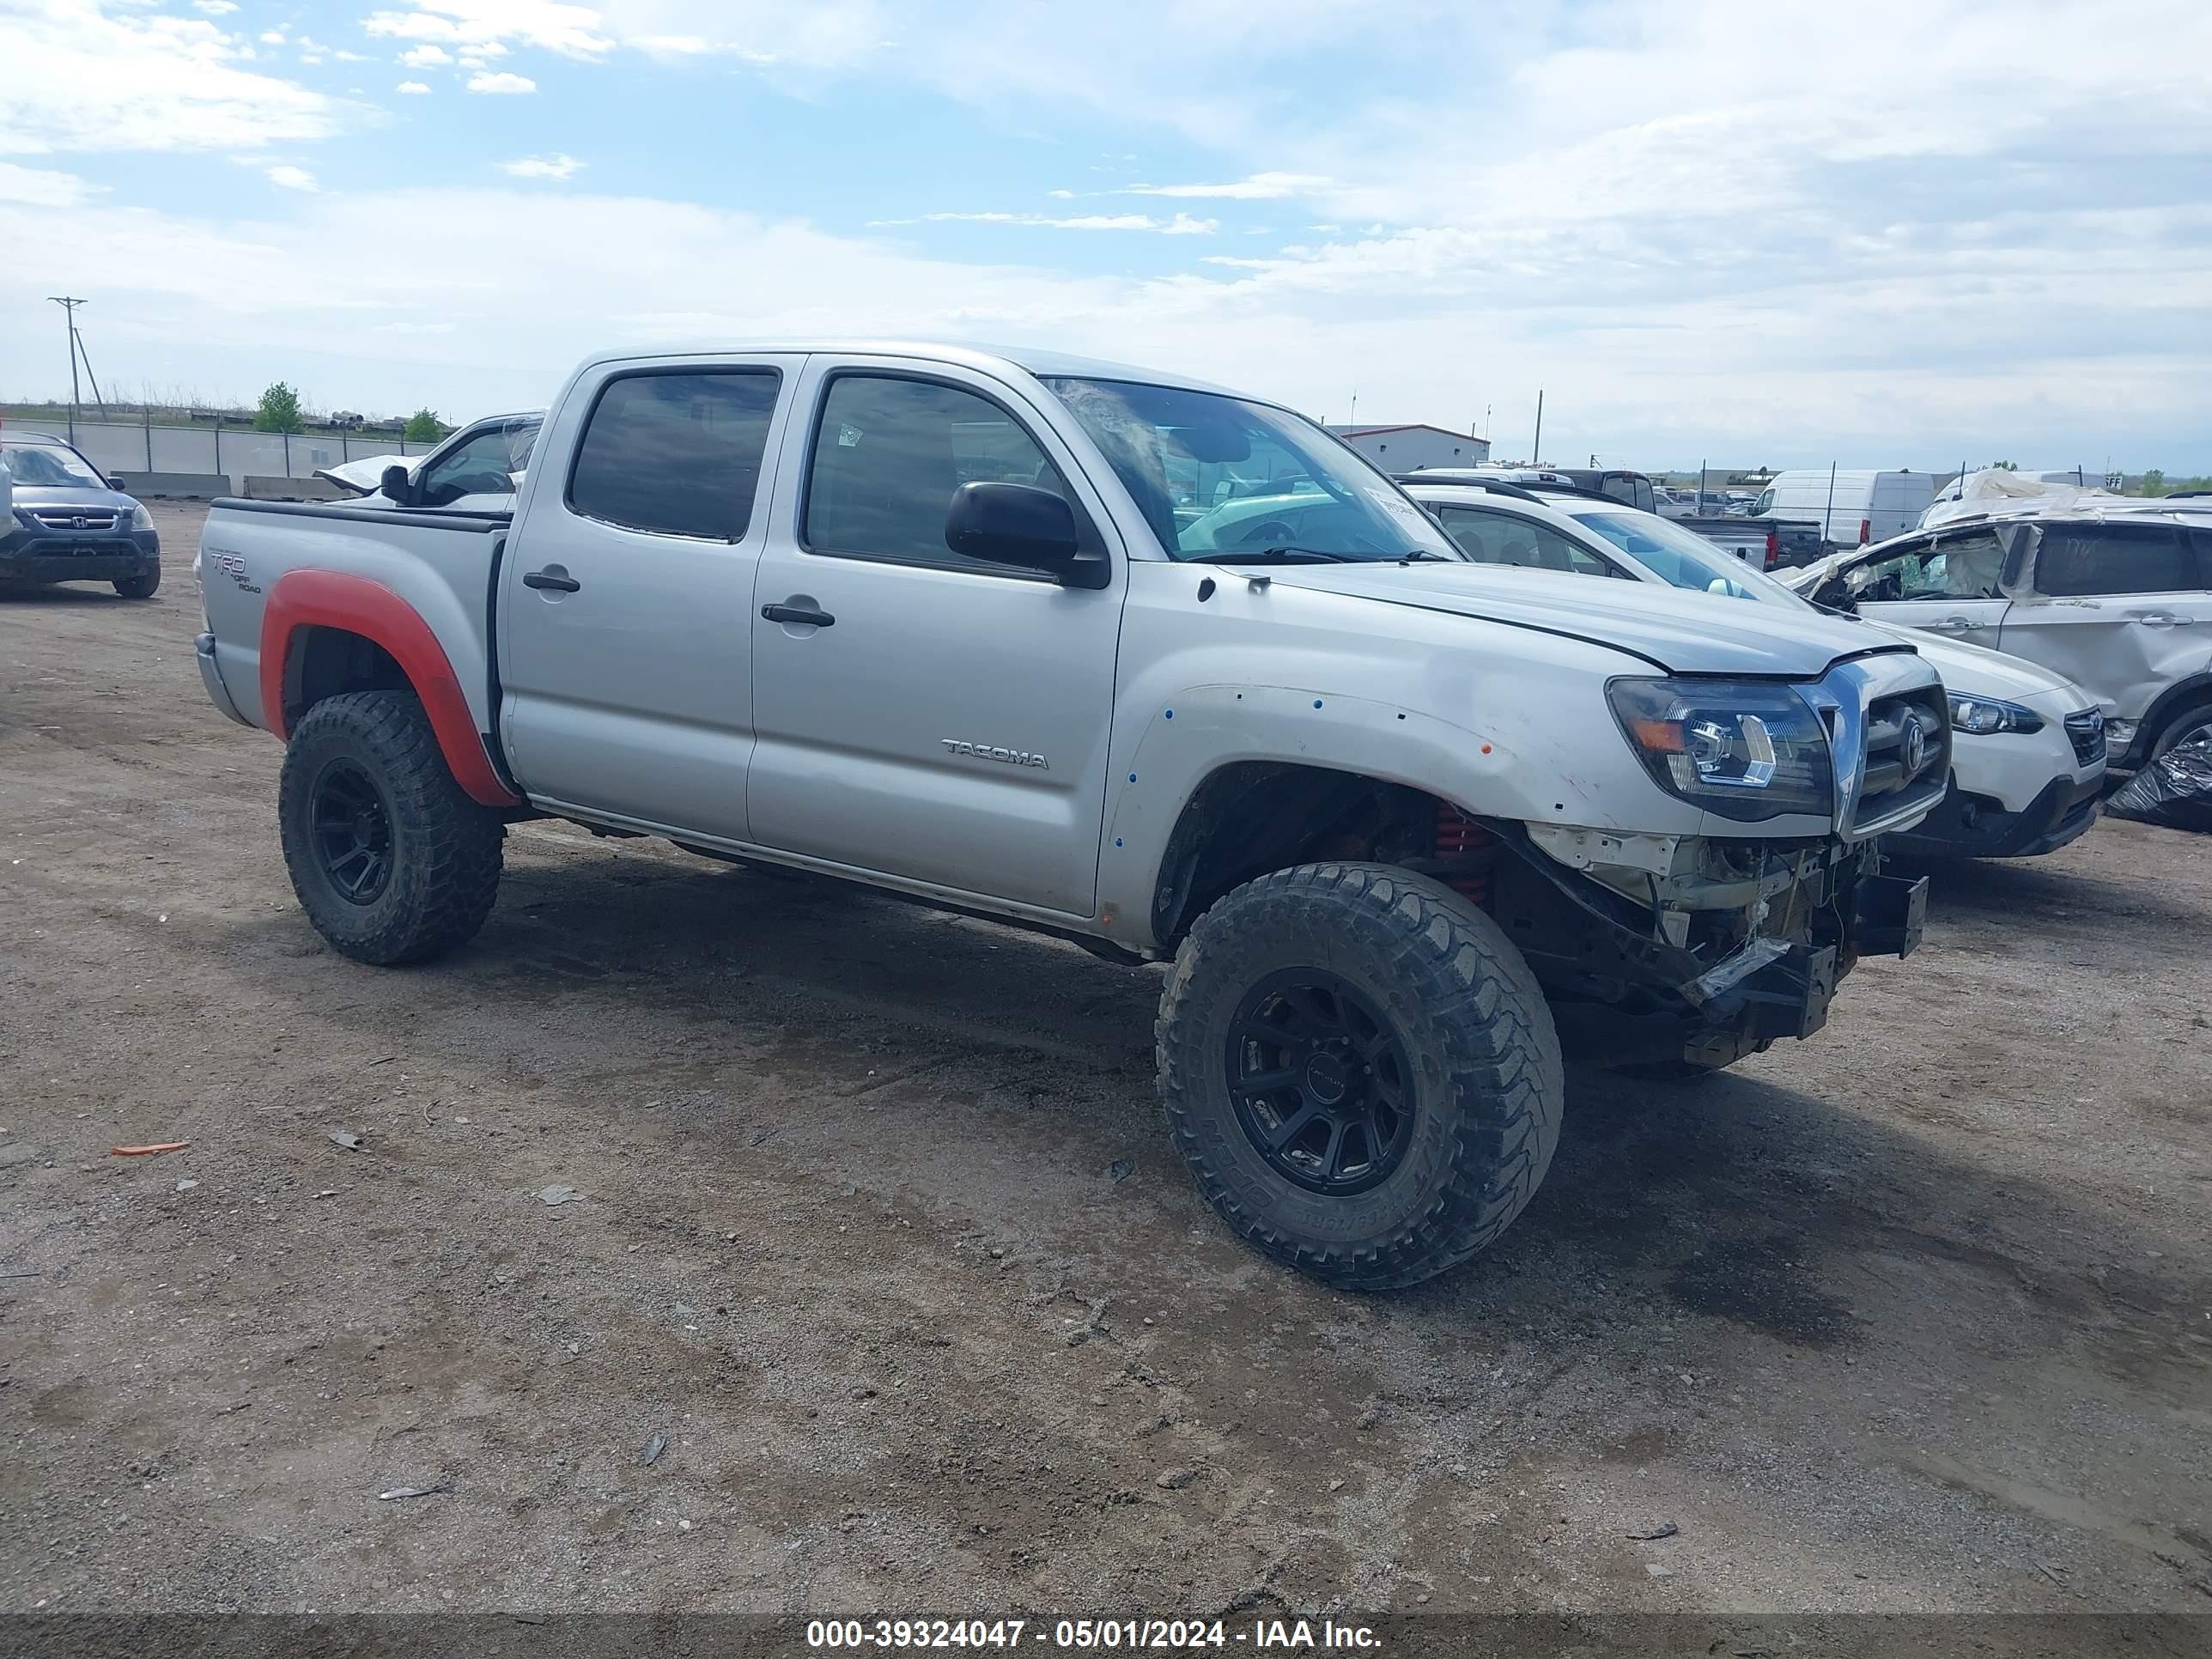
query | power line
(69,303)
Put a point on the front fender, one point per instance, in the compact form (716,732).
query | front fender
(1492,774)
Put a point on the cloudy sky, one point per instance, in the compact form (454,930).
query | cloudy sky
(1886,233)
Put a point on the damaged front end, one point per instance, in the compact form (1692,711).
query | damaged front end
(1692,948)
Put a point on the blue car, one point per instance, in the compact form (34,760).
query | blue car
(69,525)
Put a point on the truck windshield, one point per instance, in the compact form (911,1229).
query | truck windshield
(1216,477)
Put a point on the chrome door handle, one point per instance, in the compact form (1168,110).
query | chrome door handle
(1951,625)
(2161,619)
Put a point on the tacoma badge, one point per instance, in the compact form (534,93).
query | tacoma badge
(988,752)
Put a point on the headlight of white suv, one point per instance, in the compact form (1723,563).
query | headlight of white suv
(1984,715)
(1746,750)
(140,518)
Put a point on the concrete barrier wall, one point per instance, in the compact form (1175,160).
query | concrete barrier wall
(154,486)
(294,489)
(136,448)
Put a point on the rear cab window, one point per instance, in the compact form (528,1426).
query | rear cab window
(676,451)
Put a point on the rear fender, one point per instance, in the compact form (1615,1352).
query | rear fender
(355,604)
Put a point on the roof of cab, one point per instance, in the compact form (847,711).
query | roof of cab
(1028,359)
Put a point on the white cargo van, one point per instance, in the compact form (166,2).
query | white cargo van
(1853,508)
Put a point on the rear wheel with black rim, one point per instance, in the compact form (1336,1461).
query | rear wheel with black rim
(1360,1070)
(391,859)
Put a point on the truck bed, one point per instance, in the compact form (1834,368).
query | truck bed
(440,565)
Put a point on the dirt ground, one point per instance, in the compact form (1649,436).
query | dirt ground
(1915,1315)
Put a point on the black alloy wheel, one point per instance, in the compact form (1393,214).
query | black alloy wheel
(351,826)
(1321,1082)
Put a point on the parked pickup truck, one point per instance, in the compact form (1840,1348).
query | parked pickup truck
(1762,544)
(930,619)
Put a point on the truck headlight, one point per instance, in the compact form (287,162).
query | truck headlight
(140,518)
(1982,715)
(1746,750)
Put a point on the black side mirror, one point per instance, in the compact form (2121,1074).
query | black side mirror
(398,485)
(1022,524)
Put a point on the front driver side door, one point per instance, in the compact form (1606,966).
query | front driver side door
(945,722)
(1951,582)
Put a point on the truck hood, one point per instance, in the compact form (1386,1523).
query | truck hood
(1683,633)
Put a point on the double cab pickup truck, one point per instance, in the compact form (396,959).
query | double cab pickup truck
(1135,661)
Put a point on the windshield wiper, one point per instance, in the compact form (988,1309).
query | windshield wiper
(1280,555)
(1421,555)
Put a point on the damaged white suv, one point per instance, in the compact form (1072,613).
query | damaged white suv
(1135,661)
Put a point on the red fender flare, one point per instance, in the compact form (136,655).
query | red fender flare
(355,604)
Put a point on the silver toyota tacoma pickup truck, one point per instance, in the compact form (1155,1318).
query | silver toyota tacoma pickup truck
(1135,661)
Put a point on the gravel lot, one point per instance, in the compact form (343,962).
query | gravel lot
(1913,1317)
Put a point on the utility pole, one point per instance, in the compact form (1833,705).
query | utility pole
(69,303)
(1354,419)
(1537,460)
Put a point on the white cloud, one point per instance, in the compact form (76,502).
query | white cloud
(81,77)
(549,25)
(412,88)
(501,81)
(37,187)
(215,7)
(1433,322)
(271,36)
(1182,225)
(1656,212)
(425,57)
(1258,187)
(291,177)
(558,168)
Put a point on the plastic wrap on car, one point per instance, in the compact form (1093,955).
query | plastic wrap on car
(2175,790)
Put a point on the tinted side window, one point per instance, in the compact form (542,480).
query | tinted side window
(2111,558)
(1502,538)
(679,454)
(888,455)
(2200,544)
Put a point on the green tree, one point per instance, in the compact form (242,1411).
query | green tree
(279,410)
(423,427)
(2006,466)
(2153,482)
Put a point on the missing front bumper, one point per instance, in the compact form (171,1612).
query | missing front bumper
(1889,914)
(1623,991)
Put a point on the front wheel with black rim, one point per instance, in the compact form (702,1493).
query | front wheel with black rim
(2190,726)
(1359,1068)
(391,860)
(143,586)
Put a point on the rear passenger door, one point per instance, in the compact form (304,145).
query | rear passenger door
(2121,608)
(945,721)
(625,609)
